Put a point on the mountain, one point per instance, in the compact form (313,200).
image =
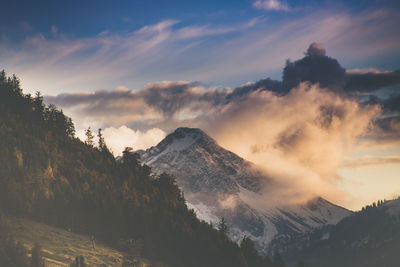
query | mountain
(367,238)
(219,184)
(49,176)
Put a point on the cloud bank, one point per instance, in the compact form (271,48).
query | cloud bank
(298,130)
(299,139)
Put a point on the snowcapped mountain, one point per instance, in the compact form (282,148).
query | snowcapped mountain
(217,183)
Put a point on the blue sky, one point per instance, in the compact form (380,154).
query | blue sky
(120,65)
(223,43)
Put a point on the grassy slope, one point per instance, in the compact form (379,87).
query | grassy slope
(60,247)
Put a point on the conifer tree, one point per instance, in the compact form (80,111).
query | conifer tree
(89,137)
(102,142)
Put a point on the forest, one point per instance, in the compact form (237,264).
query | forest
(49,175)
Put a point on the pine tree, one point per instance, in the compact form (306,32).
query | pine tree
(38,103)
(102,142)
(89,137)
(3,76)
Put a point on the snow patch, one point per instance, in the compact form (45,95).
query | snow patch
(203,212)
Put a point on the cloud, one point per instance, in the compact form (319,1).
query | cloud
(176,50)
(384,134)
(371,161)
(201,31)
(160,104)
(270,5)
(264,85)
(54,30)
(119,138)
(299,138)
(315,67)
(390,103)
(366,71)
(316,49)
(171,97)
(372,80)
(300,135)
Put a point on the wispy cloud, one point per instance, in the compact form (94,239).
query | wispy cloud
(270,5)
(365,71)
(202,31)
(371,161)
(169,51)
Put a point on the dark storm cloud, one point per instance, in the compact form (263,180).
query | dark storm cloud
(369,82)
(392,103)
(315,67)
(385,133)
(316,49)
(386,130)
(98,97)
(169,98)
(262,85)
(389,105)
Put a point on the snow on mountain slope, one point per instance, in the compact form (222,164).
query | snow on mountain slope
(217,183)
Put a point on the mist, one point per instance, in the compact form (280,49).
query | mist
(299,140)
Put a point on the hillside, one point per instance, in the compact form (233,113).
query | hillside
(60,247)
(49,175)
(368,238)
(219,184)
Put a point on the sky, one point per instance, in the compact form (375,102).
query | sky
(312,86)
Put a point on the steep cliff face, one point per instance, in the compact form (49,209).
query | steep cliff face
(217,183)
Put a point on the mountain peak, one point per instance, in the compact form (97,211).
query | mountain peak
(206,166)
(181,139)
(185,132)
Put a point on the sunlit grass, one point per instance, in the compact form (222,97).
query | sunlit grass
(60,247)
